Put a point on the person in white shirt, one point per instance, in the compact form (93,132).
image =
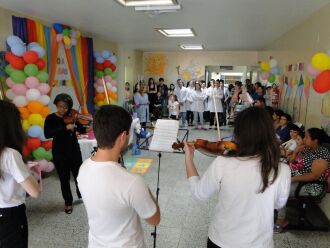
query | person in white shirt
(250,184)
(190,113)
(115,199)
(198,97)
(288,147)
(15,179)
(182,95)
(173,107)
(215,97)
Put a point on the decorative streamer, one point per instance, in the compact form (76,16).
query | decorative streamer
(20,28)
(32,31)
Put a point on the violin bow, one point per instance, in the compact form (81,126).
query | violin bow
(105,91)
(216,113)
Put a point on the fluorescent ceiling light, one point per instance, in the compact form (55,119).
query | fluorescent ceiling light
(161,9)
(183,32)
(192,47)
(232,73)
(132,3)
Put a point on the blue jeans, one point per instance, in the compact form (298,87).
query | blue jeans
(183,117)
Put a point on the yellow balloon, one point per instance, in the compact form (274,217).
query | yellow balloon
(99,103)
(78,34)
(321,61)
(265,66)
(35,119)
(25,125)
(67,40)
(42,124)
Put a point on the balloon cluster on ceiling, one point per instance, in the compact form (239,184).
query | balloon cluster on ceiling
(319,68)
(66,34)
(269,70)
(105,75)
(28,90)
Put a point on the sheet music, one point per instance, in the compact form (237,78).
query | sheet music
(165,134)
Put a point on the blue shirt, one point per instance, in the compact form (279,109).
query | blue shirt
(284,133)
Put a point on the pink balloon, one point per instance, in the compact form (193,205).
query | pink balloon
(311,70)
(44,88)
(265,75)
(99,89)
(19,89)
(99,82)
(32,82)
(50,167)
(113,82)
(10,94)
(107,78)
(10,83)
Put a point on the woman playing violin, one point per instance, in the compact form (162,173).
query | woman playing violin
(66,150)
(250,184)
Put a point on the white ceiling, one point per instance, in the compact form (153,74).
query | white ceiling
(219,24)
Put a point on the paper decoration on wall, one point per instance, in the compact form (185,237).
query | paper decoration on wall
(191,72)
(155,64)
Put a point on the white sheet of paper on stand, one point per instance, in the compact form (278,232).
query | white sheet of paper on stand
(165,134)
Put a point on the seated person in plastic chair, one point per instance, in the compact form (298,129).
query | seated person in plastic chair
(287,148)
(158,108)
(311,164)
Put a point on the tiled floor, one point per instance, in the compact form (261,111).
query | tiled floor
(184,220)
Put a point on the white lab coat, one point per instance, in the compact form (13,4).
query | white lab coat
(182,95)
(198,98)
(216,103)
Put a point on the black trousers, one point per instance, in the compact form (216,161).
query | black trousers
(212,119)
(64,164)
(210,244)
(190,117)
(13,227)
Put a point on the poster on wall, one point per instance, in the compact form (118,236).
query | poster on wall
(63,82)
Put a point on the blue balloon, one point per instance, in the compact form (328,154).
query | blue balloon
(274,70)
(97,54)
(39,50)
(42,137)
(99,60)
(106,54)
(113,59)
(58,28)
(14,40)
(35,131)
(18,49)
(32,44)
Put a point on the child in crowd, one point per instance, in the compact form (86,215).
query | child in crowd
(173,107)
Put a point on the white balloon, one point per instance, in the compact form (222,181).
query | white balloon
(273,63)
(20,101)
(10,94)
(99,89)
(114,89)
(44,99)
(108,85)
(33,94)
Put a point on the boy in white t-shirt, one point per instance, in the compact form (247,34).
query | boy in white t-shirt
(115,200)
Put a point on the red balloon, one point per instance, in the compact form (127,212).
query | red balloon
(41,64)
(47,144)
(107,64)
(30,57)
(113,67)
(9,56)
(17,62)
(26,152)
(99,67)
(33,143)
(321,83)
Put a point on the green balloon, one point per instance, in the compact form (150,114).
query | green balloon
(43,76)
(9,69)
(108,71)
(18,76)
(66,32)
(99,74)
(31,70)
(271,78)
(39,153)
(48,155)
(114,75)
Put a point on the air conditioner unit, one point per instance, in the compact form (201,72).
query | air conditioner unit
(158,9)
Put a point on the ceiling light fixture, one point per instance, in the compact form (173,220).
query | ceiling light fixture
(192,47)
(158,9)
(133,3)
(176,32)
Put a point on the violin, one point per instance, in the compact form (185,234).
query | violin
(74,116)
(217,148)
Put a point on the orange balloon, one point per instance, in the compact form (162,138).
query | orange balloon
(44,111)
(35,107)
(24,113)
(112,95)
(99,97)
